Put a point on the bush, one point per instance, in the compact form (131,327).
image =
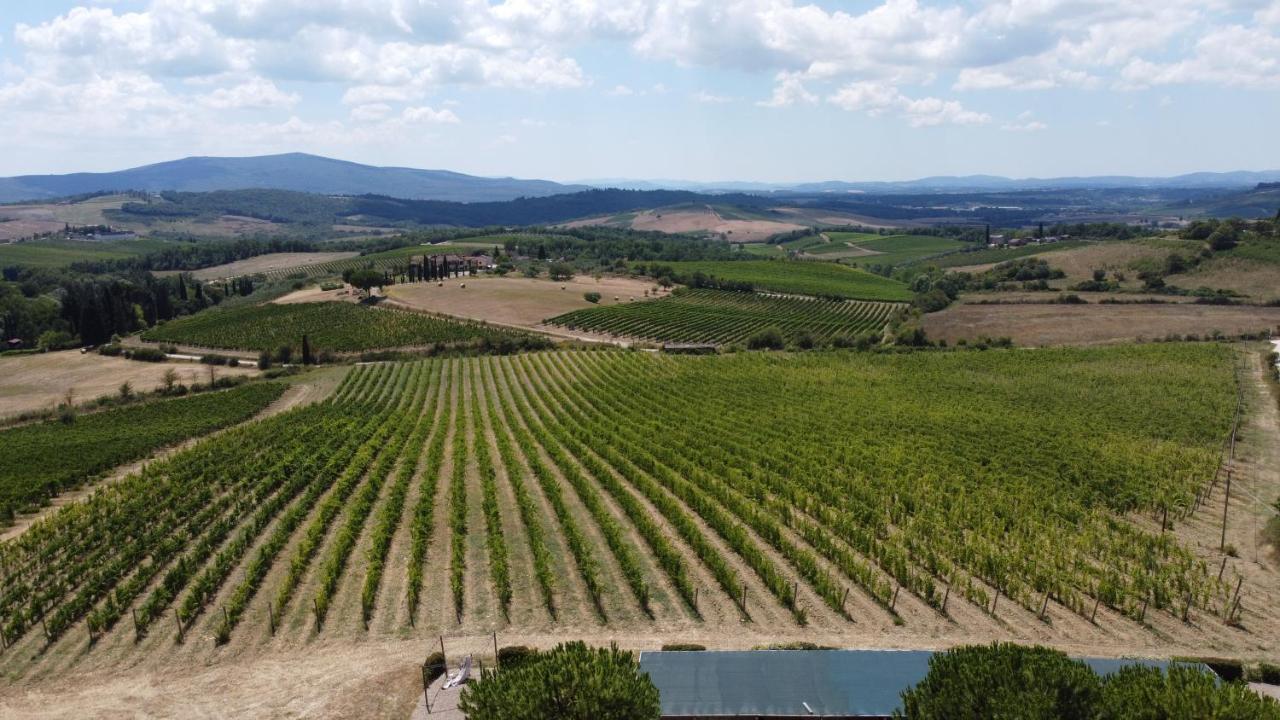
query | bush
(216,359)
(769,338)
(56,340)
(264,360)
(1003,680)
(591,297)
(433,667)
(683,647)
(145,354)
(571,682)
(1141,693)
(514,656)
(110,350)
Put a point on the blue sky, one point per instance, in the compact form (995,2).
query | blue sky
(769,90)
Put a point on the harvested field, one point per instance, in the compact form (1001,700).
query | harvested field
(24,220)
(273,262)
(704,219)
(517,301)
(1259,281)
(1043,324)
(1116,256)
(36,382)
(570,458)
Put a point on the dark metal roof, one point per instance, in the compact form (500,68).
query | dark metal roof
(796,683)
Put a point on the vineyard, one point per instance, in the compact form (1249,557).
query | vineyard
(801,278)
(715,316)
(332,326)
(43,459)
(581,487)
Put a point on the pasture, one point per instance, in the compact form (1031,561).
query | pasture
(1093,324)
(39,381)
(60,253)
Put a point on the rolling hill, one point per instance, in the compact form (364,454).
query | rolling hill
(291,171)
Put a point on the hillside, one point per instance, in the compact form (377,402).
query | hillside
(290,171)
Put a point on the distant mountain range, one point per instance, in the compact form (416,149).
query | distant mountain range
(314,174)
(966,183)
(292,171)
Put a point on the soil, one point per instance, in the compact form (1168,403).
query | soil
(35,382)
(517,301)
(1045,324)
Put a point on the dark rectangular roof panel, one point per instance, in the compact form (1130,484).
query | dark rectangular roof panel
(796,683)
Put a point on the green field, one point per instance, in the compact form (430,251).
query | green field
(890,249)
(43,459)
(333,326)
(617,489)
(801,278)
(999,255)
(719,317)
(60,253)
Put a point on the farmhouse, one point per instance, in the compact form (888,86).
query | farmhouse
(796,683)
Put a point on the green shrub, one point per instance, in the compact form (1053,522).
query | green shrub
(571,682)
(433,667)
(1146,693)
(769,338)
(591,297)
(514,656)
(1003,680)
(683,647)
(145,354)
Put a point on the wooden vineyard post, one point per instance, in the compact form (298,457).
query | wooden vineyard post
(893,602)
(495,649)
(1239,582)
(1044,605)
(795,592)
(443,656)
(744,597)
(695,599)
(1223,568)
(1142,616)
(1094,615)
(945,597)
(45,628)
(995,600)
(844,599)
(137,634)
(315,603)
(1164,524)
(181,634)
(271,617)
(1226,503)
(1186,608)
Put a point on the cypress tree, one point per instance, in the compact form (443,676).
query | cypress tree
(307,359)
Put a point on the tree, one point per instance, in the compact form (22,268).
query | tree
(307,358)
(126,390)
(169,380)
(591,297)
(1136,692)
(366,279)
(1003,680)
(571,682)
(284,354)
(264,360)
(559,271)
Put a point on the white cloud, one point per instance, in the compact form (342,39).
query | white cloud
(424,114)
(788,90)
(370,112)
(703,96)
(253,93)
(1025,122)
(621,91)
(1234,55)
(877,99)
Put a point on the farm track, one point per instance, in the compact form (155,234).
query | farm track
(547,408)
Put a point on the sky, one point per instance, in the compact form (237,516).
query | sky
(751,90)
